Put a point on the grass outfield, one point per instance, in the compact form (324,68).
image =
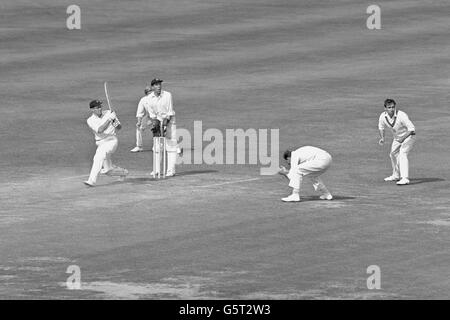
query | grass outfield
(310,68)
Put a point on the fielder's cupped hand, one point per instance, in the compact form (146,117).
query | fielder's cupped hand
(283,171)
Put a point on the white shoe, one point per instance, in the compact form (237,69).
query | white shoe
(403,181)
(103,171)
(327,196)
(170,174)
(137,149)
(291,198)
(392,178)
(89,183)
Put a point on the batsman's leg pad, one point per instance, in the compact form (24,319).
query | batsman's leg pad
(171,161)
(171,145)
(172,129)
(172,152)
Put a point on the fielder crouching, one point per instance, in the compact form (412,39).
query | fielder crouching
(104,125)
(306,162)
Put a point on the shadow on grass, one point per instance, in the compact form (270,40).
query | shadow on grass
(424,180)
(150,178)
(317,198)
(194,172)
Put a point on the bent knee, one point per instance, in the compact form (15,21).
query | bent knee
(393,154)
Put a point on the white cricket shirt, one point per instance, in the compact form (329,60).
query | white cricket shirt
(159,107)
(399,123)
(94,122)
(307,153)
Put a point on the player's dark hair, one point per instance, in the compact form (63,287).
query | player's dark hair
(388,102)
(287,154)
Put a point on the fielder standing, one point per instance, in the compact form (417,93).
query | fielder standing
(404,133)
(306,162)
(104,125)
(142,121)
(159,106)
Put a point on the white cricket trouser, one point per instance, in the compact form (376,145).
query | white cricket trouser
(399,156)
(140,131)
(105,148)
(310,169)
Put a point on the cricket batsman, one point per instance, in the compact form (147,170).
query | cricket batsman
(404,134)
(104,125)
(306,162)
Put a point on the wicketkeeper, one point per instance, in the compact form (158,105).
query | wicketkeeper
(160,109)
